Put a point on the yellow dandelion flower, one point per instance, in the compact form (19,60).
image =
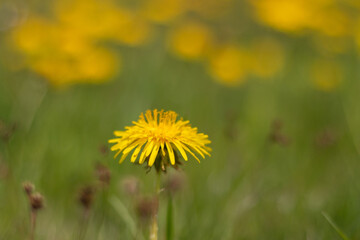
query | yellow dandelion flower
(228,65)
(332,22)
(284,15)
(96,19)
(163,11)
(157,135)
(190,40)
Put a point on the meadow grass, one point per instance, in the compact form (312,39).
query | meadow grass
(254,186)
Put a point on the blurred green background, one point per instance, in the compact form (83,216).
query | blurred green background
(274,83)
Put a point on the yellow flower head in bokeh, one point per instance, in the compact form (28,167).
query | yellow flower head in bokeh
(163,11)
(62,55)
(326,74)
(324,16)
(332,21)
(357,34)
(284,15)
(228,65)
(104,20)
(162,134)
(190,40)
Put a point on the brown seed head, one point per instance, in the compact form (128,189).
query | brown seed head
(4,170)
(86,196)
(147,207)
(326,138)
(103,174)
(36,201)
(174,183)
(28,187)
(103,149)
(277,124)
(130,185)
(276,135)
(6,131)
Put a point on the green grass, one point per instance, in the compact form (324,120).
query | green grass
(251,188)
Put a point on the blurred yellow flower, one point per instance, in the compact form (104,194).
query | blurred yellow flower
(163,11)
(324,16)
(162,134)
(132,30)
(357,33)
(104,20)
(228,65)
(326,74)
(266,57)
(96,66)
(284,15)
(62,55)
(332,21)
(34,37)
(190,40)
(97,19)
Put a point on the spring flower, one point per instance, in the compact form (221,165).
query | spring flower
(333,22)
(190,40)
(61,54)
(228,65)
(157,135)
(163,11)
(283,15)
(323,16)
(103,20)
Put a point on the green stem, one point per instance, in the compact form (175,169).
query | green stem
(154,221)
(33,224)
(83,224)
(169,220)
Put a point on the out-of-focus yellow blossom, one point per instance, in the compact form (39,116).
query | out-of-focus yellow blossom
(61,55)
(34,36)
(326,74)
(133,31)
(104,20)
(228,65)
(90,17)
(266,57)
(284,15)
(163,11)
(323,16)
(331,22)
(61,70)
(190,40)
(357,34)
(38,37)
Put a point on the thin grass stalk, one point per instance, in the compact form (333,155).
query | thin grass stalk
(32,224)
(170,219)
(154,227)
(83,224)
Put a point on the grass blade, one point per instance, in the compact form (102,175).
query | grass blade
(170,220)
(124,213)
(333,224)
